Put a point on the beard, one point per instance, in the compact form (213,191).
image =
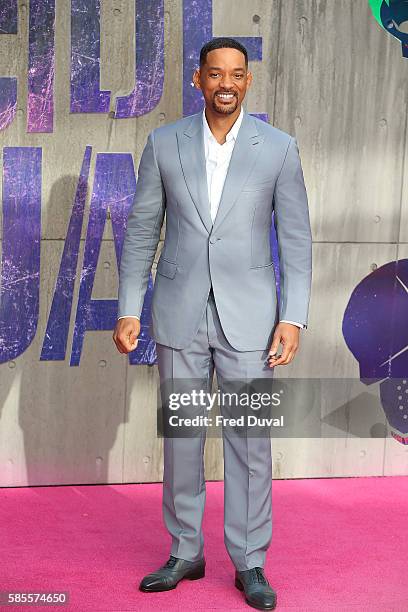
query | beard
(225,109)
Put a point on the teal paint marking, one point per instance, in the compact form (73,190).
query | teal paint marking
(375,6)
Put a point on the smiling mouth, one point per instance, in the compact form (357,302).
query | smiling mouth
(225,97)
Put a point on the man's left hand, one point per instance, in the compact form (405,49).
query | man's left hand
(287,335)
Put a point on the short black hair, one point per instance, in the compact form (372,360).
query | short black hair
(219,43)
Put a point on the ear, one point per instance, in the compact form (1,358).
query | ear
(196,78)
(249,79)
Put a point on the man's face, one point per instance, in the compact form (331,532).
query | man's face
(223,79)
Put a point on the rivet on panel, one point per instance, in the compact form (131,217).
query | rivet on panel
(256,18)
(383,122)
(106,265)
(373,266)
(102,363)
(279,455)
(146,460)
(99,460)
(377,219)
(363,453)
(12,365)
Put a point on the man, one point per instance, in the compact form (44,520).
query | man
(218,174)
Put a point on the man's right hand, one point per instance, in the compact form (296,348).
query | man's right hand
(126,333)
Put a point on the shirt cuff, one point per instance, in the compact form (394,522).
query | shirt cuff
(129,316)
(293,323)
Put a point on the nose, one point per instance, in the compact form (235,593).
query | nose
(226,82)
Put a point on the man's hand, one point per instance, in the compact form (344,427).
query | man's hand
(126,333)
(287,335)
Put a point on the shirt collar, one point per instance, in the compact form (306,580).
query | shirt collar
(231,134)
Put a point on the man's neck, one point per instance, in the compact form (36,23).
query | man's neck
(220,124)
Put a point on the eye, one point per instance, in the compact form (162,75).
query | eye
(214,74)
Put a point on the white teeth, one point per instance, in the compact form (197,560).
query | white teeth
(226,95)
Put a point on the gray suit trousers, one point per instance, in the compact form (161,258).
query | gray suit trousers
(247,460)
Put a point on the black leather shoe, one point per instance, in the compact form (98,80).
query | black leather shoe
(258,592)
(169,575)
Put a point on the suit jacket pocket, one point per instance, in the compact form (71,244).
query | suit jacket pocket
(267,265)
(259,185)
(166,268)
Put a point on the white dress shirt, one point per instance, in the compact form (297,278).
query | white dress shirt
(217,159)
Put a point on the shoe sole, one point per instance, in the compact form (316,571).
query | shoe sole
(241,588)
(194,576)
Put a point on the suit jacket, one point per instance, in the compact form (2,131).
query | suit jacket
(233,254)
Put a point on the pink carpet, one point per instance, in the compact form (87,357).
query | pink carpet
(338,544)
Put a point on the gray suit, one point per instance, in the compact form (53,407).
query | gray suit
(215,302)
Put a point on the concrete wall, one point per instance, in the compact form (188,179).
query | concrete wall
(330,76)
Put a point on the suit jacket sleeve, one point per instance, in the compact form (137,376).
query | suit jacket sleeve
(142,235)
(293,231)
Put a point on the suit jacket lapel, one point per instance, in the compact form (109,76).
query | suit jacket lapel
(192,159)
(191,150)
(246,150)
